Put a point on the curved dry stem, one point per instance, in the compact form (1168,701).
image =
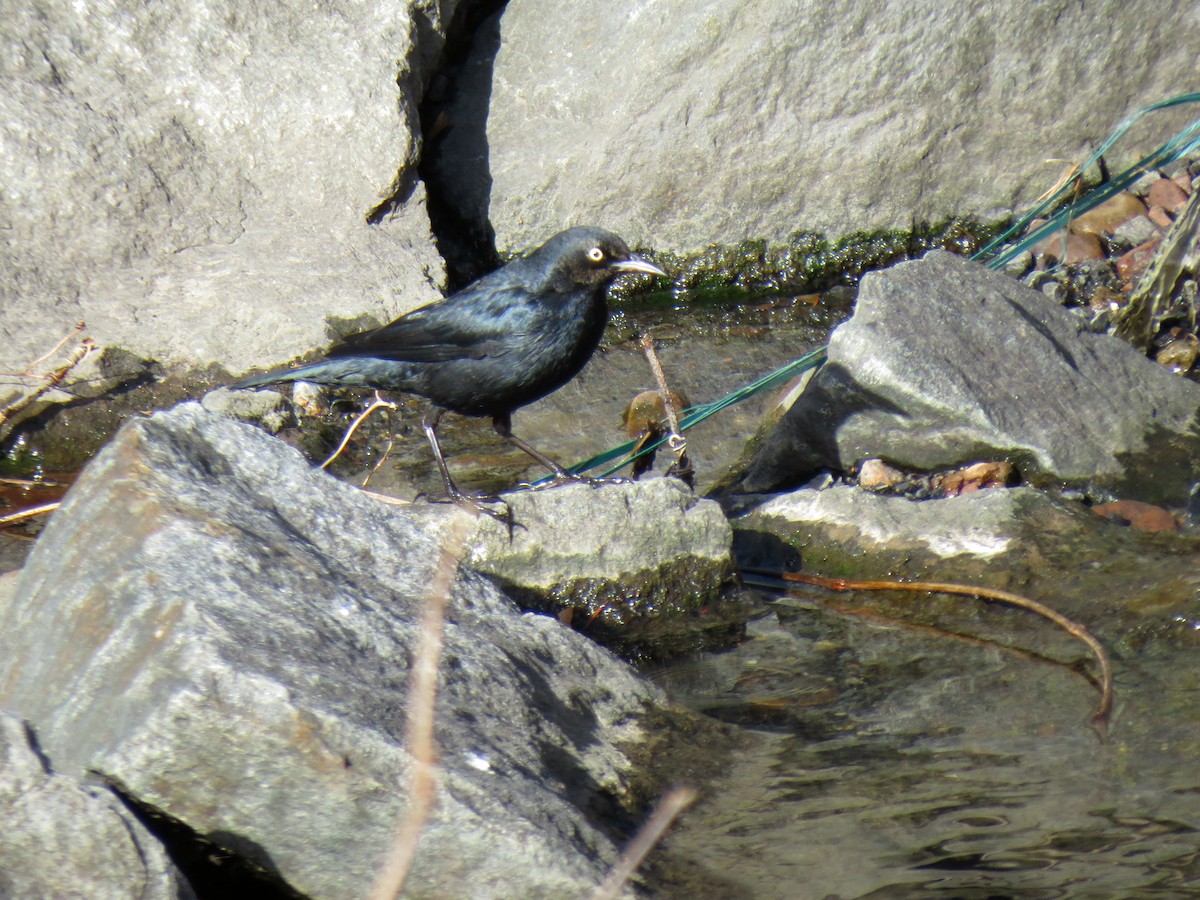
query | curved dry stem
(419,727)
(1103,709)
(377,403)
(50,380)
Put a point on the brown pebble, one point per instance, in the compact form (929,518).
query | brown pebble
(1180,354)
(975,477)
(1078,248)
(876,475)
(1167,194)
(1105,218)
(1159,217)
(1184,180)
(1133,263)
(1105,298)
(1142,516)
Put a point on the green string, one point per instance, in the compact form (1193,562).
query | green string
(1182,144)
(694,415)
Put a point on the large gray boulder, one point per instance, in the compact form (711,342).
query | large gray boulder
(946,362)
(227,633)
(210,183)
(681,123)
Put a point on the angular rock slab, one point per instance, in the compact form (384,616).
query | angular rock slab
(226,632)
(646,548)
(62,839)
(850,532)
(946,362)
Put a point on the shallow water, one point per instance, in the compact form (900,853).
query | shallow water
(900,763)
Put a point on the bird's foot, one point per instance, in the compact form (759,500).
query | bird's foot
(478,503)
(571,478)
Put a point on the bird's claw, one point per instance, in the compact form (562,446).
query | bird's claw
(476,503)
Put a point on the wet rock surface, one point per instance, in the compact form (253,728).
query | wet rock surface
(227,634)
(945,362)
(863,530)
(647,548)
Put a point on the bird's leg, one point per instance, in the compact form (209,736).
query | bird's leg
(503,426)
(430,423)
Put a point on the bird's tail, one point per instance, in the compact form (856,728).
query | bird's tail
(348,372)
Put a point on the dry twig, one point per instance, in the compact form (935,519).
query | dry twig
(1103,709)
(675,802)
(675,440)
(28,513)
(50,380)
(377,403)
(422,696)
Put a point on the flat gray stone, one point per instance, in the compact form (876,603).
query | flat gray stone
(645,548)
(982,524)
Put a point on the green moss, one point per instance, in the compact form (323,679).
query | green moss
(680,587)
(683,606)
(809,262)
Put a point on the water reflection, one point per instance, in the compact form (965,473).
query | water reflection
(916,767)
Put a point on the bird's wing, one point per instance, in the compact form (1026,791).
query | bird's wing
(479,321)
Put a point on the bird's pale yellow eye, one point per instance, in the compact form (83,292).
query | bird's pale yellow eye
(596,255)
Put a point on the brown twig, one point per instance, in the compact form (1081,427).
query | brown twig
(377,403)
(1103,709)
(33,482)
(52,379)
(669,807)
(422,696)
(675,440)
(973,640)
(1071,173)
(75,332)
(28,513)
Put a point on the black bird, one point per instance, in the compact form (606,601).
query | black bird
(508,339)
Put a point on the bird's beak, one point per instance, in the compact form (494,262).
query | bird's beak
(637,264)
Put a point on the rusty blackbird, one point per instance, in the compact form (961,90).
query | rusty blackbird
(508,339)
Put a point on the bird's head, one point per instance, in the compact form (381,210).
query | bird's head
(590,256)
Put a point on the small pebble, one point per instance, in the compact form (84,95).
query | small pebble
(1180,354)
(310,399)
(1159,217)
(1106,217)
(1131,264)
(976,477)
(1078,247)
(876,475)
(1136,231)
(1167,194)
(1142,516)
